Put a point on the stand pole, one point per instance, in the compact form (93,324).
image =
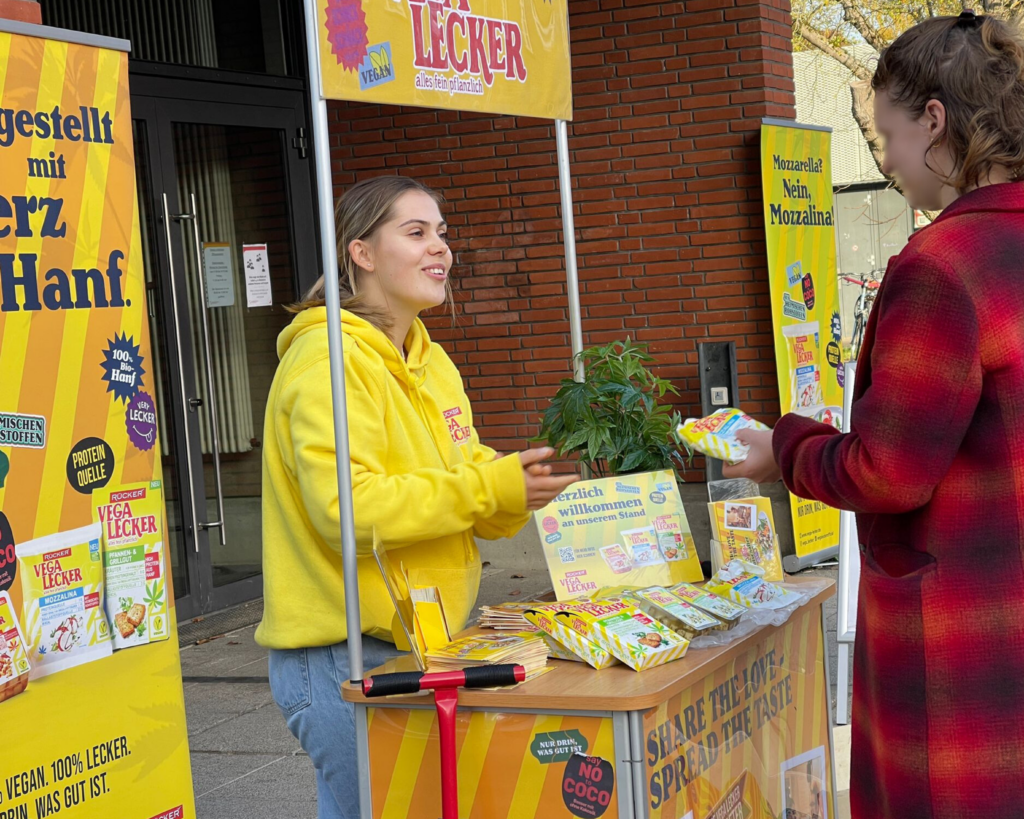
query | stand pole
(329,258)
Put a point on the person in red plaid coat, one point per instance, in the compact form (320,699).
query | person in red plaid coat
(934,462)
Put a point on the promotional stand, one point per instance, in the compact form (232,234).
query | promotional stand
(746,723)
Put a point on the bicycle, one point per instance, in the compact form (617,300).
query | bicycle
(862,309)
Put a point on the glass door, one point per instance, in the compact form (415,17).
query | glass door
(232,206)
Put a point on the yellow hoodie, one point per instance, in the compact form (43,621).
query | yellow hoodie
(420,476)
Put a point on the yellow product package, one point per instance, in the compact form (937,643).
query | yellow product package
(745,530)
(715,435)
(802,345)
(133,560)
(14,667)
(545,618)
(631,636)
(744,584)
(62,586)
(721,608)
(675,612)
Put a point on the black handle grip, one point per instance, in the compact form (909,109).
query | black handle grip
(490,676)
(386,685)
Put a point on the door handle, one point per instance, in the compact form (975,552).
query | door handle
(213,524)
(181,376)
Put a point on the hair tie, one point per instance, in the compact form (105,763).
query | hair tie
(968,19)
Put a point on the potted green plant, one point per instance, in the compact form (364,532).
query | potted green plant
(613,419)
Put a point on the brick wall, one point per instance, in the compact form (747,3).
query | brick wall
(667,191)
(24,11)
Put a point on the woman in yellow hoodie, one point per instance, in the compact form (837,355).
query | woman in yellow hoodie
(420,476)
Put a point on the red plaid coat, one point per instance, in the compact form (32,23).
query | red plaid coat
(934,468)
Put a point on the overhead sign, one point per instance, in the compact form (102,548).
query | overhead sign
(491,56)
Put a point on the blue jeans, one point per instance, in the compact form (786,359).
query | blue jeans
(306,684)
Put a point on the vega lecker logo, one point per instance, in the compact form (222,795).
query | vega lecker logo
(458,431)
(447,37)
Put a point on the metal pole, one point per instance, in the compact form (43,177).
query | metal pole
(329,257)
(572,281)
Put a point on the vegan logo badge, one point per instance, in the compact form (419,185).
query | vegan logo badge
(377,67)
(122,368)
(795,273)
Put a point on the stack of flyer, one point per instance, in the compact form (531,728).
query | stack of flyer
(526,649)
(507,616)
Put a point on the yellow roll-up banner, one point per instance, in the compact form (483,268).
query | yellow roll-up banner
(489,56)
(91,696)
(796,173)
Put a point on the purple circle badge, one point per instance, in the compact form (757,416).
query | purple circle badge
(140,418)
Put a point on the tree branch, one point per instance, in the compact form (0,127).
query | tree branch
(815,38)
(862,97)
(856,17)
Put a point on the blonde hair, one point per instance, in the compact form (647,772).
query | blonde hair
(359,214)
(974,65)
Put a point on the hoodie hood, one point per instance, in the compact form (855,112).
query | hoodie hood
(359,332)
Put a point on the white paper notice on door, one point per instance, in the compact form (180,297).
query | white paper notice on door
(220,274)
(257,276)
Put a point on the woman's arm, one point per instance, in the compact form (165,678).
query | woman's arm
(502,524)
(421,505)
(926,379)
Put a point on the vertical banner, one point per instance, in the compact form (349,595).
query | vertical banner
(489,56)
(91,696)
(751,740)
(796,173)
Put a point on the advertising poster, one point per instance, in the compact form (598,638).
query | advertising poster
(511,766)
(796,173)
(489,56)
(750,740)
(629,530)
(90,682)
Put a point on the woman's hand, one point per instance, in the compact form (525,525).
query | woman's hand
(541,486)
(760,464)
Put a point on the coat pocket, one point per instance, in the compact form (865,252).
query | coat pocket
(890,759)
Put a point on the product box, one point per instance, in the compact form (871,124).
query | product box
(14,667)
(631,636)
(545,618)
(674,612)
(724,610)
(62,586)
(135,570)
(628,530)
